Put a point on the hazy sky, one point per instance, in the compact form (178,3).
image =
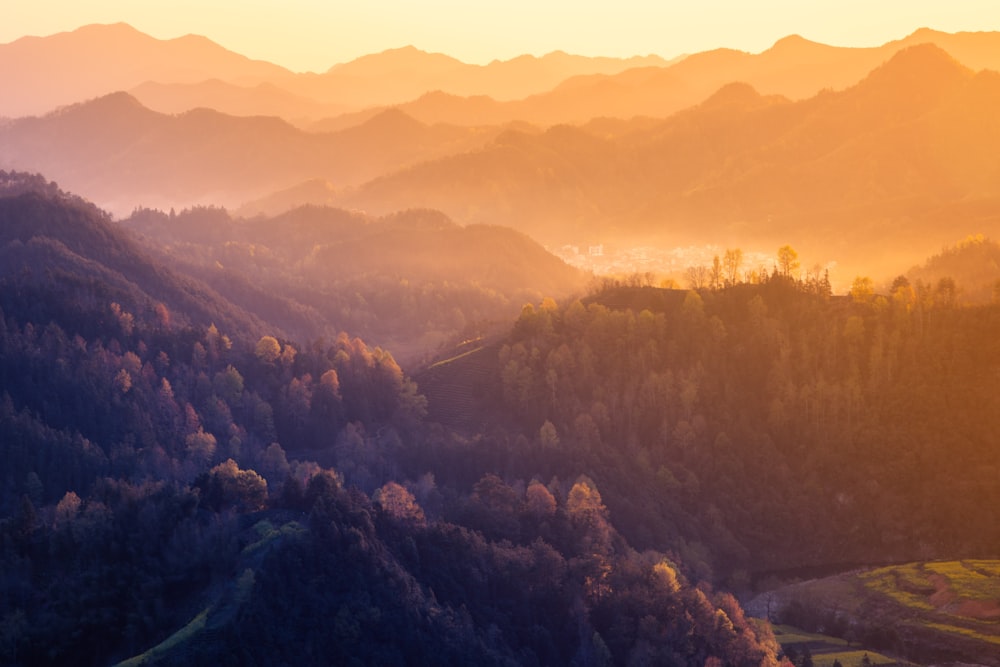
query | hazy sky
(315,34)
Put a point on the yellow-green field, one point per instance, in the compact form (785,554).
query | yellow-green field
(941,608)
(826,650)
(967,589)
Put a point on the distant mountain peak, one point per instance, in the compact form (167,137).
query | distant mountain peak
(405,57)
(393,120)
(117,101)
(927,62)
(924,34)
(120,28)
(736,95)
(792,40)
(797,47)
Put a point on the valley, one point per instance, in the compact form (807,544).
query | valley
(553,360)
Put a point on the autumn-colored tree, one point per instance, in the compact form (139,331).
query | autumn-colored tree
(226,485)
(399,504)
(268,349)
(788,260)
(862,289)
(664,577)
(200,446)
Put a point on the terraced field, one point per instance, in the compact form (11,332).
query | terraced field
(924,612)
(826,650)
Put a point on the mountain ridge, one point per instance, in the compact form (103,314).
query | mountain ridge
(793,66)
(760,166)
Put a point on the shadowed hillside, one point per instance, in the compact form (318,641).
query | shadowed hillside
(69,247)
(409,281)
(162,503)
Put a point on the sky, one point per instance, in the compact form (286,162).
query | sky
(313,35)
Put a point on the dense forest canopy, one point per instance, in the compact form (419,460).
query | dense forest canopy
(413,280)
(162,474)
(706,412)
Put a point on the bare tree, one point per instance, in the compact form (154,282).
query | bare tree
(731,263)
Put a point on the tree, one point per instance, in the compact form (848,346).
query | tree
(788,260)
(715,280)
(228,384)
(946,292)
(584,501)
(226,485)
(665,577)
(697,277)
(862,289)
(731,263)
(67,509)
(200,446)
(548,437)
(268,349)
(399,504)
(539,501)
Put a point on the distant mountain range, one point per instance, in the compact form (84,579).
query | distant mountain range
(794,67)
(122,154)
(904,161)
(39,74)
(866,157)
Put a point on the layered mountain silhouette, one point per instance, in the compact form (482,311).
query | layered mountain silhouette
(894,158)
(904,159)
(262,99)
(39,74)
(176,75)
(794,67)
(122,154)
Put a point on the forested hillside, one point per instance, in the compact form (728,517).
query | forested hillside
(411,281)
(761,427)
(179,493)
(971,267)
